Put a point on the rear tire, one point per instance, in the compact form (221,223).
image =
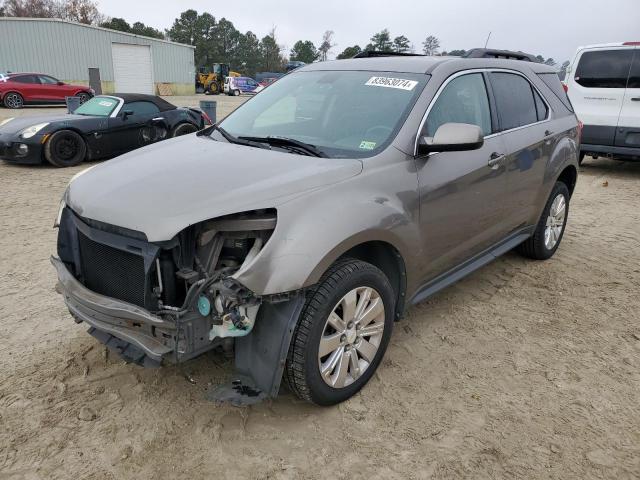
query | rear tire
(13,100)
(183,129)
(236,93)
(65,148)
(581,158)
(350,315)
(83,96)
(548,233)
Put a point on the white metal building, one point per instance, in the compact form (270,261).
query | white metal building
(67,50)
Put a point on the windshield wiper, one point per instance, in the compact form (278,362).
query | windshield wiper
(288,143)
(228,137)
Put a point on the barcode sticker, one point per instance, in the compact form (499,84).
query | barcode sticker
(389,82)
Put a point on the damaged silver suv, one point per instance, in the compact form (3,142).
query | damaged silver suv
(301,227)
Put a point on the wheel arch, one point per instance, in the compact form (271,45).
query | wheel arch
(83,135)
(388,259)
(569,177)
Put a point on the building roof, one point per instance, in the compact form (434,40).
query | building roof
(59,20)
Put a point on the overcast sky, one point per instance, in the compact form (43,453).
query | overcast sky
(552,28)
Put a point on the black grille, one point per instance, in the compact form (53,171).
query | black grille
(112,272)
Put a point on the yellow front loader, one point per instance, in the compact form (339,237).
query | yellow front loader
(211,82)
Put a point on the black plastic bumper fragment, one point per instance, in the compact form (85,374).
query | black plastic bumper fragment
(128,352)
(260,357)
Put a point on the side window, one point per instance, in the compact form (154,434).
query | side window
(142,108)
(48,80)
(514,100)
(604,69)
(463,100)
(634,75)
(541,107)
(25,79)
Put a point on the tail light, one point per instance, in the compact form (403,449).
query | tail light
(635,44)
(565,87)
(207,119)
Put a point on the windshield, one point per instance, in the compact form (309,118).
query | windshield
(342,113)
(98,106)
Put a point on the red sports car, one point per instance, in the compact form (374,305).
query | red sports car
(19,89)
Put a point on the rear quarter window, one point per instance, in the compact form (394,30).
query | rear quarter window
(552,80)
(604,69)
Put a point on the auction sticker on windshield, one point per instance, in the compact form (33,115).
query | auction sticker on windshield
(389,82)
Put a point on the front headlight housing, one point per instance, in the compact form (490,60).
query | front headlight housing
(33,130)
(5,121)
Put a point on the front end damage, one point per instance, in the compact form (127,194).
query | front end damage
(167,302)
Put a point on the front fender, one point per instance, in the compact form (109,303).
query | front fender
(314,230)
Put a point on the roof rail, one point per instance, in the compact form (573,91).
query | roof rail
(376,53)
(492,53)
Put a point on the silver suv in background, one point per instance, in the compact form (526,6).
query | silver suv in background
(603,83)
(299,229)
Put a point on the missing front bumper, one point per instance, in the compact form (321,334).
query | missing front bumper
(125,321)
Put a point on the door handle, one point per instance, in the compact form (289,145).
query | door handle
(548,133)
(635,99)
(495,159)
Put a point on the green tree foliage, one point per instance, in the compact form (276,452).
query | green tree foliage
(381,42)
(430,45)
(455,53)
(304,51)
(272,59)
(401,44)
(349,52)
(138,28)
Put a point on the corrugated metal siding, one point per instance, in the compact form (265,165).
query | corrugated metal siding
(67,50)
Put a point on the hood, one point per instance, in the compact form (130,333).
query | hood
(163,188)
(18,124)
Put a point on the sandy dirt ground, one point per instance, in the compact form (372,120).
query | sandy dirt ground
(523,370)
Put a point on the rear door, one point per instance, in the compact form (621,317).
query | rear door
(597,90)
(628,132)
(527,132)
(28,86)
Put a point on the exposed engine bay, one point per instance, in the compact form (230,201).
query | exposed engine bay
(184,285)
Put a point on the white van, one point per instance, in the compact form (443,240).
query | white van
(603,83)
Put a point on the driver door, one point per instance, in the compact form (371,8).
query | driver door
(135,127)
(462,194)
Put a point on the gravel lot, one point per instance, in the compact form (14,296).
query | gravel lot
(523,370)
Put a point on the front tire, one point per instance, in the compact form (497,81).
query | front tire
(13,100)
(65,148)
(342,333)
(236,93)
(548,233)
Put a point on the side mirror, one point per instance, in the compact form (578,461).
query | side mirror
(452,137)
(60,83)
(126,114)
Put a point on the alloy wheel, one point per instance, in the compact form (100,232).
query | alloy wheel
(555,221)
(351,337)
(13,100)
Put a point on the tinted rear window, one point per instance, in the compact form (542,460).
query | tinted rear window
(604,69)
(552,80)
(634,76)
(514,99)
